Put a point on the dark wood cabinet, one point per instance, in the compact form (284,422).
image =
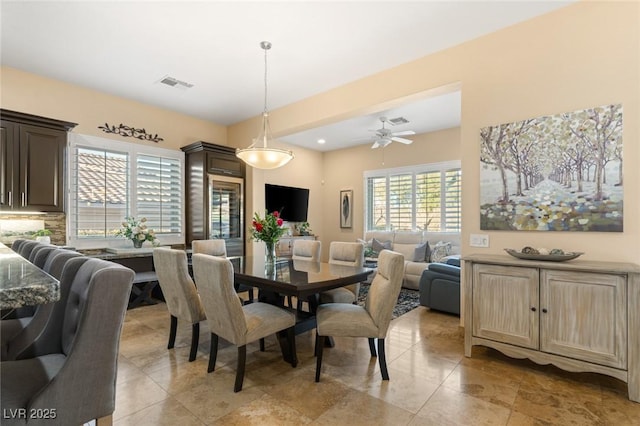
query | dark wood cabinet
(32,162)
(214,195)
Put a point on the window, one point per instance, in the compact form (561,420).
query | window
(425,197)
(126,179)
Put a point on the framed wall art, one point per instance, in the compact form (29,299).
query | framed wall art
(558,172)
(346,208)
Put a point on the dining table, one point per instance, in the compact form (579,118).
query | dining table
(24,284)
(302,279)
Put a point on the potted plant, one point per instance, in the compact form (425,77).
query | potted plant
(43,236)
(304,228)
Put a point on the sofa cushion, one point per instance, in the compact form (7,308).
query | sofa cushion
(377,245)
(422,253)
(440,251)
(407,250)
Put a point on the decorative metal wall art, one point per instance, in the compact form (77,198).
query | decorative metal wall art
(346,208)
(130,132)
(554,173)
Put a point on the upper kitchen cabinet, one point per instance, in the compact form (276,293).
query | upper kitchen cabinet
(32,159)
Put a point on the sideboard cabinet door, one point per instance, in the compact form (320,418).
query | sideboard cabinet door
(505,304)
(584,316)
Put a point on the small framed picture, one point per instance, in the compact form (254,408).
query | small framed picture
(346,208)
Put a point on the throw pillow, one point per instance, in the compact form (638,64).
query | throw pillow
(440,251)
(377,246)
(422,253)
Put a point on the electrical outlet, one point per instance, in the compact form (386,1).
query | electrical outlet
(479,240)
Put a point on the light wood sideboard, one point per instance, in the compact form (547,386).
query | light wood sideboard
(577,315)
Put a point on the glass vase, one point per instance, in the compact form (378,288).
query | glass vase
(137,243)
(270,252)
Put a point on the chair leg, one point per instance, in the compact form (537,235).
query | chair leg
(262,345)
(250,295)
(172,332)
(319,350)
(291,337)
(382,360)
(105,421)
(242,359)
(213,353)
(195,337)
(372,347)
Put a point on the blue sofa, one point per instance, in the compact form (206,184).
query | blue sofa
(440,286)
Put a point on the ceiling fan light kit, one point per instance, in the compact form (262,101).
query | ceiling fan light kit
(385,136)
(263,157)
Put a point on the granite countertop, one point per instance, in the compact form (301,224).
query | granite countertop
(22,283)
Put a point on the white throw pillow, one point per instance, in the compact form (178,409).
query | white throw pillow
(440,251)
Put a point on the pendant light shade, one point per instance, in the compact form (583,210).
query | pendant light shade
(259,155)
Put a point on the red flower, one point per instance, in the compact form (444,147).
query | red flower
(276,214)
(268,229)
(258,227)
(279,222)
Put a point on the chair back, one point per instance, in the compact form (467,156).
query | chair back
(215,247)
(306,250)
(88,336)
(27,247)
(15,245)
(56,260)
(178,288)
(384,289)
(40,254)
(343,253)
(225,316)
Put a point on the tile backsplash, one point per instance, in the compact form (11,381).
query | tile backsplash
(14,226)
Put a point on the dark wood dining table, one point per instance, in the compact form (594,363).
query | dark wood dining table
(302,279)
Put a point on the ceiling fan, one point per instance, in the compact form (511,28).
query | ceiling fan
(385,136)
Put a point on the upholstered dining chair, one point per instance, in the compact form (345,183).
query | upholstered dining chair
(372,320)
(72,365)
(39,255)
(343,253)
(305,250)
(27,247)
(15,245)
(17,334)
(228,318)
(218,247)
(180,294)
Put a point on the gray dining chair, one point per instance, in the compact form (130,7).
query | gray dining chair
(371,320)
(27,247)
(72,365)
(40,255)
(228,318)
(16,335)
(349,254)
(305,250)
(180,294)
(15,245)
(218,247)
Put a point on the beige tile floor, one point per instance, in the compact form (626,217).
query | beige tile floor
(432,383)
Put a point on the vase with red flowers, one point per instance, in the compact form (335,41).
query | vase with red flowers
(269,230)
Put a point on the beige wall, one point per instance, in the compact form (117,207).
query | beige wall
(34,94)
(581,56)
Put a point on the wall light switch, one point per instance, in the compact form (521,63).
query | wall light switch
(479,240)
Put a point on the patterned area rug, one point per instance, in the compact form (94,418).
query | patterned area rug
(407,300)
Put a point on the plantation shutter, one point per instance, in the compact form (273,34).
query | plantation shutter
(401,202)
(377,203)
(453,205)
(159,193)
(428,201)
(99,191)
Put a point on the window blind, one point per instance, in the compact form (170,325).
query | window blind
(159,193)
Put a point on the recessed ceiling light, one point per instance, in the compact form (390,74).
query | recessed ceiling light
(321,141)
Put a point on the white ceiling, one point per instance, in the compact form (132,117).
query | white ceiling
(124,48)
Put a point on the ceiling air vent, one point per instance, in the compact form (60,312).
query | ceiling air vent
(174,82)
(398,120)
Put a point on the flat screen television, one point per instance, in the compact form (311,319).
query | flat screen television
(292,203)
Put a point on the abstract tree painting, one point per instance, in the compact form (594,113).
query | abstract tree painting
(554,173)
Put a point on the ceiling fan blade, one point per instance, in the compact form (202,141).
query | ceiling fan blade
(403,133)
(375,145)
(402,140)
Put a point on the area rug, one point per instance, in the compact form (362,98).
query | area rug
(407,300)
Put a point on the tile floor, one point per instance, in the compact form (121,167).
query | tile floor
(432,383)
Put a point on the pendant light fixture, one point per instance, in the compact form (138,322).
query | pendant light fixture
(259,155)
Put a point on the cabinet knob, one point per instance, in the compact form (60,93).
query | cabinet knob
(544,310)
(533,309)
